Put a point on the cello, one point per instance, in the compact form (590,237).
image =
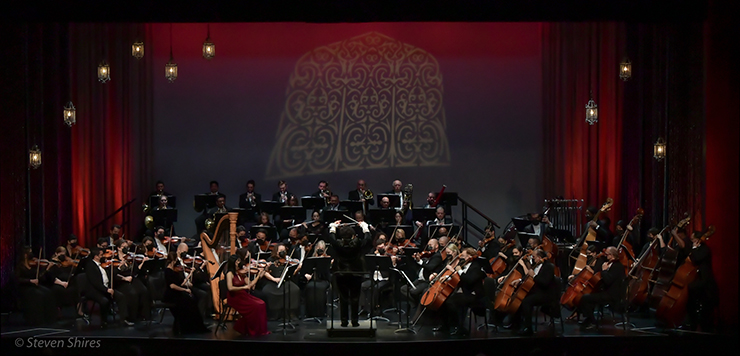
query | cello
(441,287)
(589,235)
(672,307)
(584,283)
(507,292)
(666,268)
(626,253)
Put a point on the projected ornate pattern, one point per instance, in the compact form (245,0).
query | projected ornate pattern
(366,102)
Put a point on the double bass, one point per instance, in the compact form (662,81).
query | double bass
(639,283)
(672,307)
(626,253)
(666,268)
(589,235)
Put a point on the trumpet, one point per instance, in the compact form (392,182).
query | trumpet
(250,199)
(326,194)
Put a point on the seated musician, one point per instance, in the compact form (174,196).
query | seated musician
(385,203)
(187,317)
(538,224)
(115,234)
(316,285)
(703,293)
(72,244)
(469,293)
(250,200)
(136,293)
(35,300)
(159,240)
(323,191)
(59,278)
(241,236)
(286,298)
(200,280)
(85,261)
(490,285)
(253,310)
(245,255)
(359,193)
(610,291)
(423,267)
(159,189)
(546,290)
(99,288)
(316,225)
(282,195)
(260,243)
(263,219)
(382,283)
(491,249)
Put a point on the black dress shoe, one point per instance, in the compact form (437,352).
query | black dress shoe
(355,323)
(525,332)
(363,313)
(439,328)
(345,324)
(588,325)
(458,332)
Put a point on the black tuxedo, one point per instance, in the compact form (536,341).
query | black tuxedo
(612,281)
(355,195)
(472,296)
(428,266)
(276,196)
(98,292)
(244,204)
(546,291)
(703,293)
(348,258)
(544,230)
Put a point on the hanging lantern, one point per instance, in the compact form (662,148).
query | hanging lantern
(209,49)
(103,72)
(625,69)
(592,112)
(34,157)
(659,149)
(170,70)
(137,50)
(70,114)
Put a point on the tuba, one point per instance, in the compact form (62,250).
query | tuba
(148,219)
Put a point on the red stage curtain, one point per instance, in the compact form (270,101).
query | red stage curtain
(111,142)
(583,161)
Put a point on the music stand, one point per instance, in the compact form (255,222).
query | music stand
(407,329)
(270,231)
(560,236)
(154,201)
(164,217)
(296,213)
(448,199)
(423,214)
(395,200)
(379,216)
(313,203)
(203,202)
(271,207)
(376,264)
(520,223)
(525,236)
(322,265)
(287,271)
(352,206)
(331,216)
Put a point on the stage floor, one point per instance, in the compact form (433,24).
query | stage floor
(74,336)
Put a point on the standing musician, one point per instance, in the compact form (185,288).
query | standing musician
(99,288)
(546,290)
(252,309)
(703,294)
(179,292)
(159,189)
(469,293)
(610,292)
(538,224)
(683,241)
(652,234)
(348,262)
(138,296)
(282,195)
(35,301)
(619,229)
(250,200)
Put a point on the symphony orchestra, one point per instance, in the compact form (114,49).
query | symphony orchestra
(265,260)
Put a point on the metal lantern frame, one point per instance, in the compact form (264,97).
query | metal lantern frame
(34,157)
(70,114)
(592,111)
(137,50)
(103,72)
(625,70)
(659,149)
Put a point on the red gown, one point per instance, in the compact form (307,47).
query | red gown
(253,310)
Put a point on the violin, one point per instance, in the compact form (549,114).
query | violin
(155,254)
(289,261)
(42,262)
(174,239)
(68,262)
(80,251)
(114,263)
(138,258)
(190,260)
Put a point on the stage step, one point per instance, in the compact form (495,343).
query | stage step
(362,331)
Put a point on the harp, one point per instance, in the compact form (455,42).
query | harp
(212,251)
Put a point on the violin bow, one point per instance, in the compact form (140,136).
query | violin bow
(38,265)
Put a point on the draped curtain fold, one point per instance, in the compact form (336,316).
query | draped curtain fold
(582,161)
(111,143)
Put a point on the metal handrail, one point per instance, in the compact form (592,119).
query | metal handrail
(467,223)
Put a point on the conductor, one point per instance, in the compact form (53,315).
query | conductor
(348,265)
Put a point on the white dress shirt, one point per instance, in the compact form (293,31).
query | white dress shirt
(106,281)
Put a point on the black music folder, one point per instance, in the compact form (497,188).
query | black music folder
(395,199)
